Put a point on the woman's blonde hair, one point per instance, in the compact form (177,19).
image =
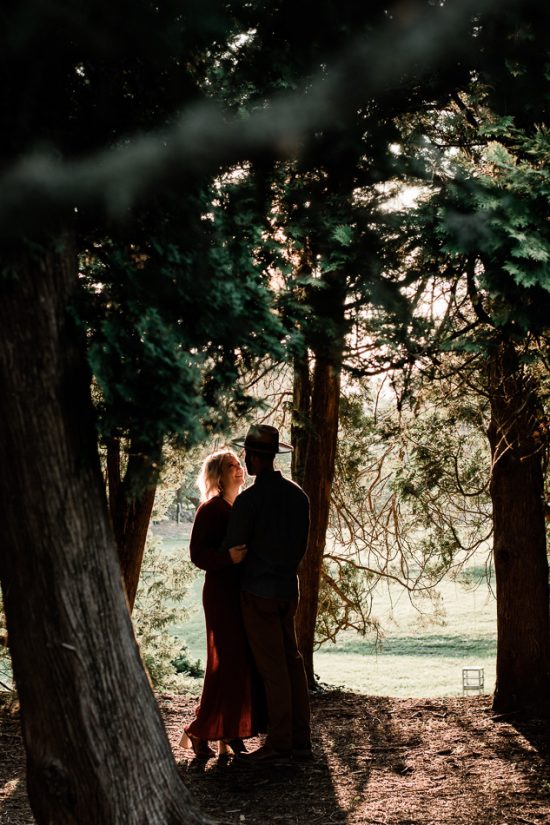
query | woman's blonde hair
(210,475)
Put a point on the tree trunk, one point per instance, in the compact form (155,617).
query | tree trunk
(521,565)
(300,430)
(327,343)
(318,476)
(131,503)
(96,748)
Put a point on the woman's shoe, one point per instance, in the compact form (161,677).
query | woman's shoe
(223,748)
(236,745)
(200,747)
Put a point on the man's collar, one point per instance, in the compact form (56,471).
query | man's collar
(267,476)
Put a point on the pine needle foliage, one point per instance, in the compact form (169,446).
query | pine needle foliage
(162,589)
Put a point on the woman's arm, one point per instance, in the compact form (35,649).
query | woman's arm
(206,538)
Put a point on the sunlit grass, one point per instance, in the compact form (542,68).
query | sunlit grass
(405,676)
(417,657)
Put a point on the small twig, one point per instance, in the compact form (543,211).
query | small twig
(499,716)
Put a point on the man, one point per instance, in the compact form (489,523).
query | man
(272,519)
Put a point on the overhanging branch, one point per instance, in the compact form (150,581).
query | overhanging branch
(41,188)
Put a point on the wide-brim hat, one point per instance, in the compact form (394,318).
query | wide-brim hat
(262,439)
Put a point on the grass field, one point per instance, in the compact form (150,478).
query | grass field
(417,658)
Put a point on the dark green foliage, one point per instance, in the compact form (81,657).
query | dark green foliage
(80,79)
(175,318)
(183,664)
(488,214)
(513,64)
(175,307)
(500,220)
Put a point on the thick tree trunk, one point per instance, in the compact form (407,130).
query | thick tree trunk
(521,565)
(95,744)
(131,503)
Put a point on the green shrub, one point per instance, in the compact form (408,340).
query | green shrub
(183,664)
(163,584)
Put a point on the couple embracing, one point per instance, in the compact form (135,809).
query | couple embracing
(250,544)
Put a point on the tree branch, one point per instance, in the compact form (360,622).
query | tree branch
(40,188)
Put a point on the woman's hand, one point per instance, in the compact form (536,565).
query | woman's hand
(238,553)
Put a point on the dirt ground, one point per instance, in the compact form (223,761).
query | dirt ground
(378,761)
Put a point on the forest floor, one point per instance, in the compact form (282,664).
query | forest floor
(378,761)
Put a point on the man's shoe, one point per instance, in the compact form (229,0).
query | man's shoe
(266,755)
(302,754)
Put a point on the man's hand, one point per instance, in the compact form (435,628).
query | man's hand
(238,553)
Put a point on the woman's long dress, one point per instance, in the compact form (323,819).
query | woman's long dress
(232,703)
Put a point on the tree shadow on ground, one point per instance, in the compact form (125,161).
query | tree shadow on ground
(535,738)
(352,736)
(391,761)
(523,742)
(378,761)
(368,752)
(231,791)
(505,764)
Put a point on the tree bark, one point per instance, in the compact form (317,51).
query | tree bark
(318,476)
(96,748)
(320,459)
(301,409)
(131,501)
(520,557)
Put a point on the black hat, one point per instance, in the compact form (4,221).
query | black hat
(262,439)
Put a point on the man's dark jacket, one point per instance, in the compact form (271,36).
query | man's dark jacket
(272,518)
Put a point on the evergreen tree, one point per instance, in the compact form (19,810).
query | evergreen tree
(84,94)
(80,83)
(484,232)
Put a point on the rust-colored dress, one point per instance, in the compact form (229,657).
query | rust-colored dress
(232,703)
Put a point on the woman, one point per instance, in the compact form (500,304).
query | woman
(231,699)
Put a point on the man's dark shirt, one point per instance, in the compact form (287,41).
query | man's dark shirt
(272,519)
